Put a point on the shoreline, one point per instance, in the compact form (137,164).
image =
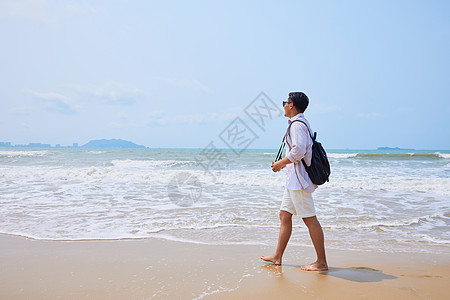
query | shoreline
(294,242)
(157,268)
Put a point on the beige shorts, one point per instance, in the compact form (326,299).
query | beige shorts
(298,202)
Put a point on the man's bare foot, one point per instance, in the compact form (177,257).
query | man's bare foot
(272,258)
(314,267)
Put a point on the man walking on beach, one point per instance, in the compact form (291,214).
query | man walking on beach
(297,198)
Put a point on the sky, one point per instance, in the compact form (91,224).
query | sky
(181,73)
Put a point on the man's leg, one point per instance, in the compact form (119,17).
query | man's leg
(316,233)
(283,238)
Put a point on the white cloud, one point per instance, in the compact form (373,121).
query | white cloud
(156,117)
(55,102)
(43,11)
(33,10)
(111,93)
(22,110)
(369,116)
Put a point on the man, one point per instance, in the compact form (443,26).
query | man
(297,198)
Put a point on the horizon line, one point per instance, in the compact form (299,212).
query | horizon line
(201,148)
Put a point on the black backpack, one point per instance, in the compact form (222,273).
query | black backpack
(319,171)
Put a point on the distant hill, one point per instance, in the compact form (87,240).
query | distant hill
(389,148)
(113,143)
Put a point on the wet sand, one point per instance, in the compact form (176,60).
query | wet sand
(161,269)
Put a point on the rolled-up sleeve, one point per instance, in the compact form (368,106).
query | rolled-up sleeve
(299,140)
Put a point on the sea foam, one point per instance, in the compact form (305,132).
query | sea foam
(25,153)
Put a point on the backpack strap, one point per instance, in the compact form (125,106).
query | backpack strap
(307,127)
(280,151)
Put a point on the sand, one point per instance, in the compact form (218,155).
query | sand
(161,269)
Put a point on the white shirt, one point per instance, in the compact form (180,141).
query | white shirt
(299,145)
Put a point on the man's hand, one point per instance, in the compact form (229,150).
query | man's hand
(277,166)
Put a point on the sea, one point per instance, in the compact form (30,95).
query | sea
(376,200)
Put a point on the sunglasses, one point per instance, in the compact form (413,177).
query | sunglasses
(284,102)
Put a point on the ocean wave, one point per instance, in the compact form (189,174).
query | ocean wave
(434,240)
(220,234)
(443,155)
(124,195)
(25,153)
(341,155)
(267,153)
(129,163)
(387,156)
(432,185)
(148,235)
(155,171)
(386,223)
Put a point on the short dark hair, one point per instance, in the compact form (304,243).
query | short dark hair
(300,100)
